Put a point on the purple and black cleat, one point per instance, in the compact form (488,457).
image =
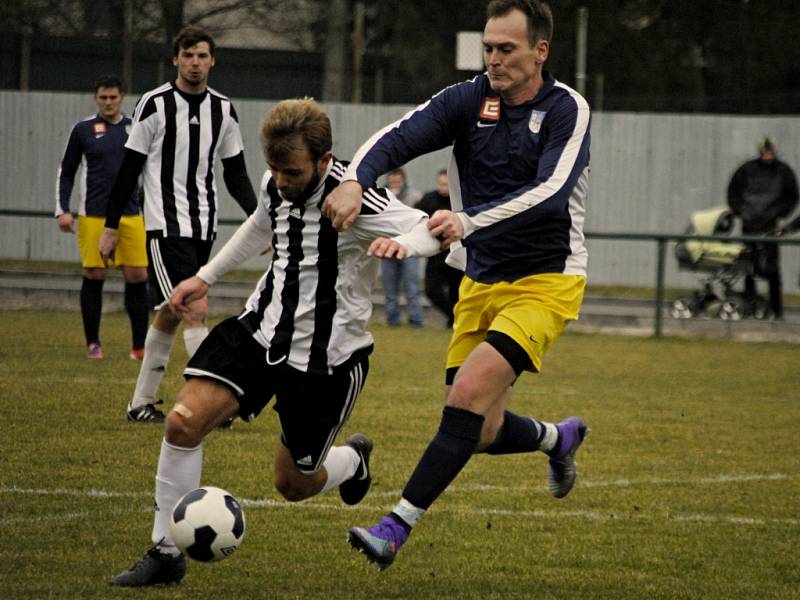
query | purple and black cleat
(380,543)
(563,468)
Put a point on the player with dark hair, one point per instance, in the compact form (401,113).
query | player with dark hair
(518,180)
(97,143)
(301,338)
(179,129)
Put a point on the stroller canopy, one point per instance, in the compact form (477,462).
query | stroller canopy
(710,221)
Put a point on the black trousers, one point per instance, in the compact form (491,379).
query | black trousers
(767,266)
(441,285)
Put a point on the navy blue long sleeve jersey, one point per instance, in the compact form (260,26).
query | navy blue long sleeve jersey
(518,174)
(98,146)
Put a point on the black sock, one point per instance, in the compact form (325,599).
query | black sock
(443,459)
(138,311)
(518,434)
(91,308)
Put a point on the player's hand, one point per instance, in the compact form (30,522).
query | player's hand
(66,222)
(186,292)
(343,204)
(108,244)
(445,225)
(386,248)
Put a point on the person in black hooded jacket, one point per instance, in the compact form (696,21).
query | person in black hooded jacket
(762,192)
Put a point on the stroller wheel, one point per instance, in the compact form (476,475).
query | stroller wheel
(760,309)
(682,308)
(731,310)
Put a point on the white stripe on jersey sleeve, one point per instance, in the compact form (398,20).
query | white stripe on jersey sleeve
(374,200)
(142,132)
(230,138)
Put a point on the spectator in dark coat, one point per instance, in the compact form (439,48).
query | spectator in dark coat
(762,192)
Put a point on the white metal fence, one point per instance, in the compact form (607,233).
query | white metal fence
(649,172)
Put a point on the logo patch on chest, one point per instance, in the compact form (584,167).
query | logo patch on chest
(490,109)
(99,129)
(535,124)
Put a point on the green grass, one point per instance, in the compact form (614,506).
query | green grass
(689,485)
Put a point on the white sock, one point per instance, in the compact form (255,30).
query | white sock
(550,437)
(178,473)
(193,337)
(408,512)
(341,464)
(157,347)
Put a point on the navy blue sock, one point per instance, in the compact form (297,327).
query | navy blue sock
(443,459)
(518,434)
(91,308)
(136,303)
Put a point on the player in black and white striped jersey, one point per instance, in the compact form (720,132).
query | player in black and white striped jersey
(178,130)
(301,338)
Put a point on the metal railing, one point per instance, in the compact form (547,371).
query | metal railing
(661,240)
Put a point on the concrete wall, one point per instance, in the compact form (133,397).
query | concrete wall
(649,172)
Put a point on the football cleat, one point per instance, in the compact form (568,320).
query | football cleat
(354,489)
(94,352)
(380,543)
(136,354)
(563,468)
(146,414)
(154,568)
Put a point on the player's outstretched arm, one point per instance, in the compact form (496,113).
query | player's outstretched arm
(185,293)
(343,204)
(386,248)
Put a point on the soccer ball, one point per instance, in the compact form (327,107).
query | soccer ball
(207,524)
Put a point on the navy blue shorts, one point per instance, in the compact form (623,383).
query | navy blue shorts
(312,408)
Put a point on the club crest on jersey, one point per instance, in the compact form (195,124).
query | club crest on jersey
(535,124)
(490,109)
(99,130)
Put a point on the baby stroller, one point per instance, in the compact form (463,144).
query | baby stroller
(723,264)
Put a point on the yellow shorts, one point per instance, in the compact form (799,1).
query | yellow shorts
(533,311)
(131,249)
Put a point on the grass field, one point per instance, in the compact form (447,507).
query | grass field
(689,483)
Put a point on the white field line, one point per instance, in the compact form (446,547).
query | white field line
(539,514)
(11,378)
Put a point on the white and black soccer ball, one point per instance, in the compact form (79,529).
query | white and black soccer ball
(207,524)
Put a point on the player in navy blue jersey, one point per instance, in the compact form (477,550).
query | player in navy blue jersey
(97,144)
(179,130)
(518,180)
